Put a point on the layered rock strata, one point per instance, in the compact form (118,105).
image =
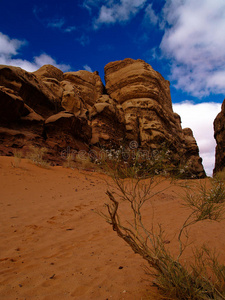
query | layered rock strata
(59,110)
(144,100)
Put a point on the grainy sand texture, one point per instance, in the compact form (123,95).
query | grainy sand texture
(54,246)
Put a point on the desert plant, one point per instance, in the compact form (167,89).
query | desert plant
(205,204)
(36,155)
(17,158)
(84,160)
(69,163)
(160,161)
(220,175)
(174,279)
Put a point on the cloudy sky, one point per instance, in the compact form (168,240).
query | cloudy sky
(182,39)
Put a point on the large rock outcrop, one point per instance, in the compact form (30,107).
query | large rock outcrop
(32,90)
(219,135)
(58,110)
(27,101)
(144,100)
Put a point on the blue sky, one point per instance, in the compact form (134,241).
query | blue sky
(184,40)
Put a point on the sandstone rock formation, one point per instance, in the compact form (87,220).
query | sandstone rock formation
(26,101)
(73,109)
(219,134)
(65,129)
(143,97)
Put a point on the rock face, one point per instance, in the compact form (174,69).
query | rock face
(12,106)
(144,100)
(65,129)
(27,101)
(219,135)
(58,110)
(143,97)
(86,85)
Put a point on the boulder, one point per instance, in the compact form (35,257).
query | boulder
(86,85)
(72,102)
(52,77)
(49,71)
(35,93)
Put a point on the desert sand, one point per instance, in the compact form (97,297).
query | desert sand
(53,245)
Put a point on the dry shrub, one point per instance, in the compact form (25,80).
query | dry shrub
(36,156)
(84,161)
(69,163)
(17,158)
(175,280)
(220,175)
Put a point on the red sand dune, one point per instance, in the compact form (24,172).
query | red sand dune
(54,246)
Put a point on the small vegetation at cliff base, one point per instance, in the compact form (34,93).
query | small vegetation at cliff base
(36,155)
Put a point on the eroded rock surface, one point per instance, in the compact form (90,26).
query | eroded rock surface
(58,110)
(219,134)
(86,85)
(144,100)
(27,101)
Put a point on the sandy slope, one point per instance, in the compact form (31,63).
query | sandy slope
(54,246)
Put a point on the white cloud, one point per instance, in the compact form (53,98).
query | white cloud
(9,46)
(89,4)
(150,16)
(70,29)
(194,40)
(9,49)
(45,59)
(200,118)
(113,12)
(60,25)
(56,23)
(87,68)
(84,40)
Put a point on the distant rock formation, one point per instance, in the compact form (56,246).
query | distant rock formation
(219,135)
(73,109)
